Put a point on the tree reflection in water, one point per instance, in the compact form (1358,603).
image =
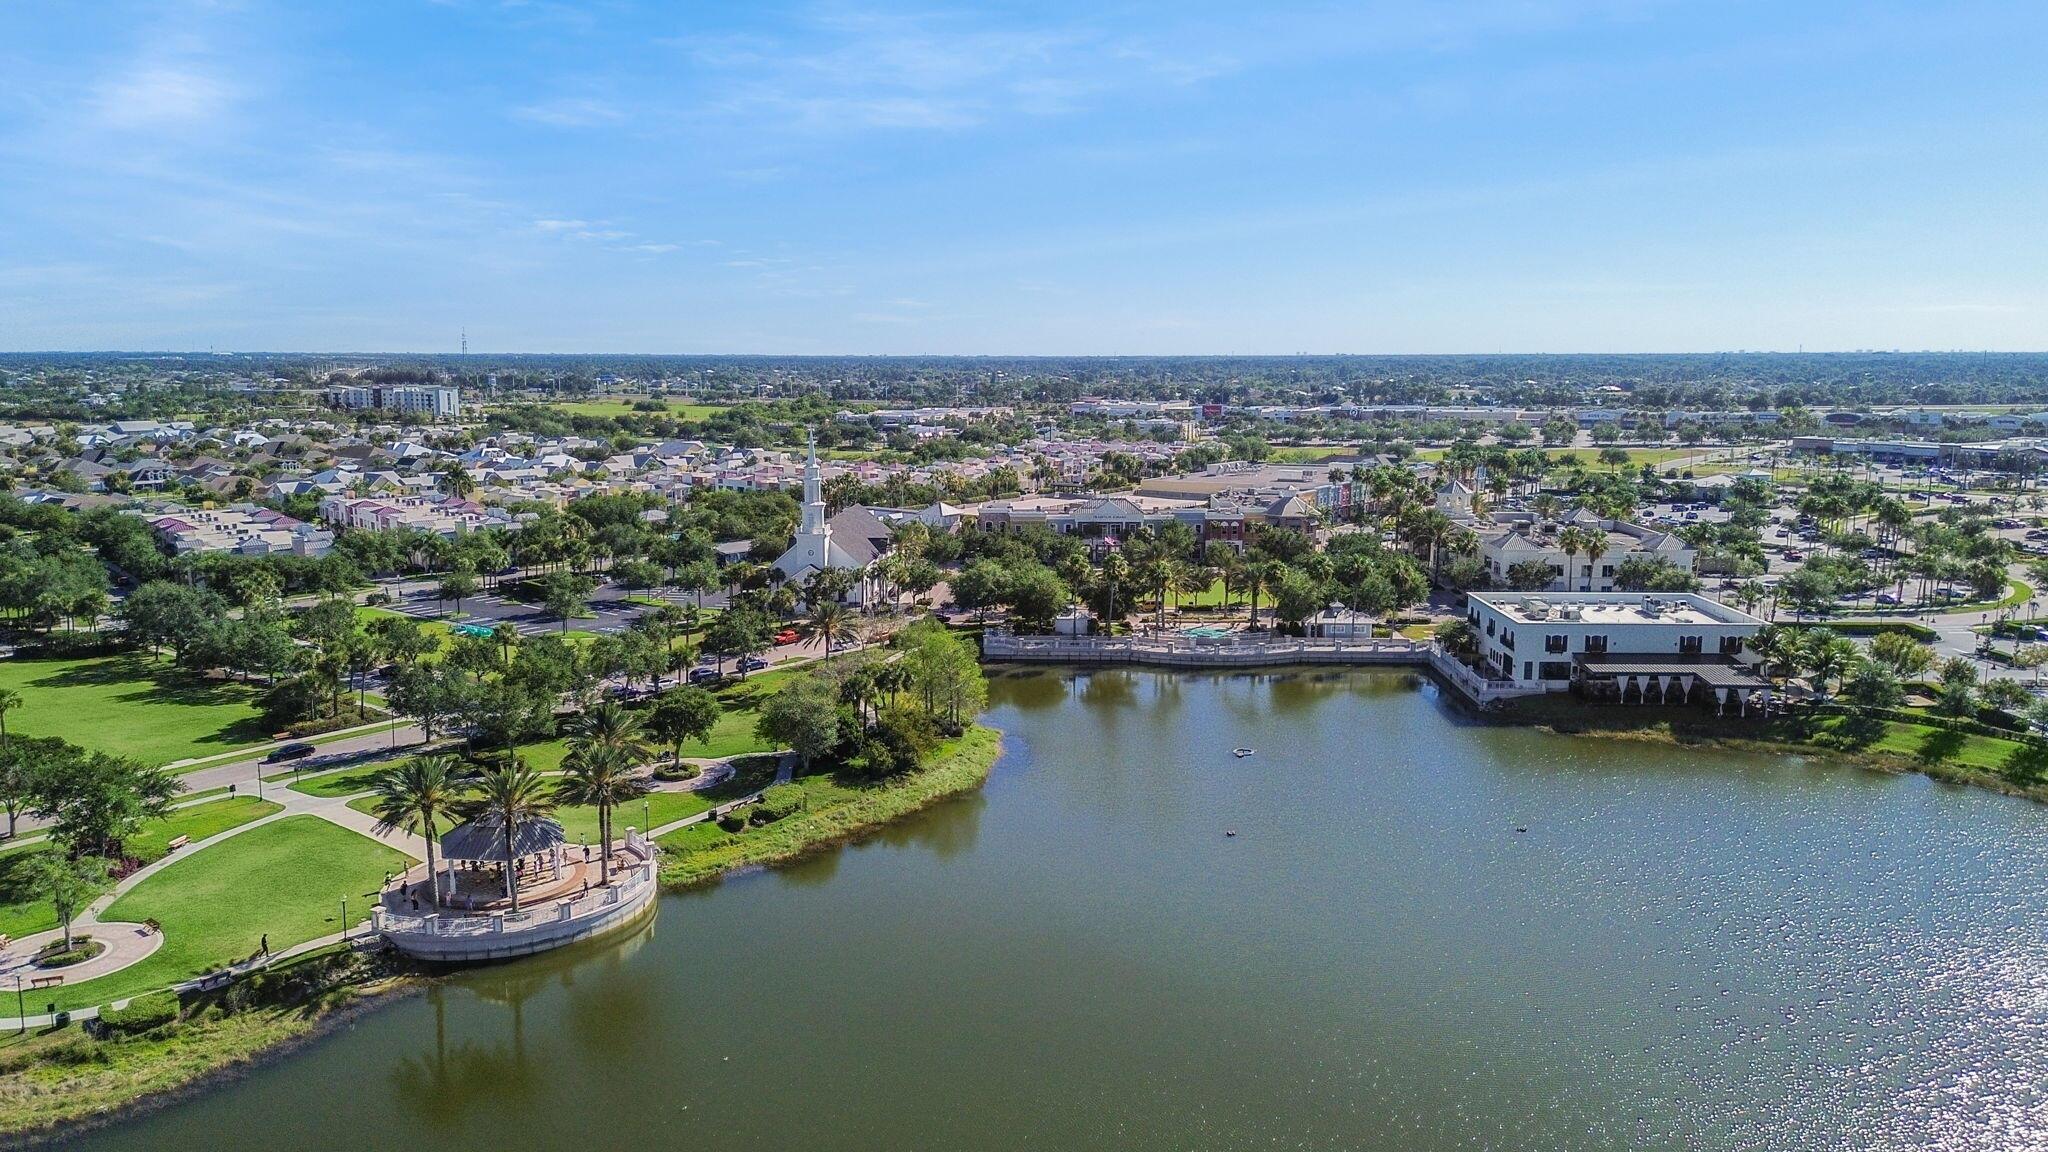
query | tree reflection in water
(449,1086)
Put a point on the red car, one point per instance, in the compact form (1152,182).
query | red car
(787,636)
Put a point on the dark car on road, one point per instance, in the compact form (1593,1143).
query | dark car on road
(705,675)
(753,664)
(288,752)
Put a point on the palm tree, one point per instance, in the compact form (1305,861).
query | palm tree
(417,795)
(510,797)
(1571,541)
(1595,547)
(1257,575)
(1114,568)
(610,725)
(830,622)
(603,776)
(458,481)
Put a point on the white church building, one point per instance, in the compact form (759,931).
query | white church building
(851,541)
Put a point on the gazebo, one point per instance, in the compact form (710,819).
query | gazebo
(483,841)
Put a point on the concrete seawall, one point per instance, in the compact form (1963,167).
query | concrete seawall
(1239,651)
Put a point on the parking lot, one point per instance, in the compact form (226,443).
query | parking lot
(489,609)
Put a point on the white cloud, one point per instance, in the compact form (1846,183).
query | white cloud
(162,96)
(571,112)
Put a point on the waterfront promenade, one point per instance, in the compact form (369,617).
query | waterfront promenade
(1245,650)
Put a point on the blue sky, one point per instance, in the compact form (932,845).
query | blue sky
(1192,177)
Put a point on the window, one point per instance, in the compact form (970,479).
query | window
(1528,671)
(1489,627)
(1607,570)
(1557,644)
(1731,645)
(1689,645)
(1507,640)
(1596,644)
(1554,670)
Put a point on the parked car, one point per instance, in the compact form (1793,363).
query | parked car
(705,675)
(787,636)
(1887,598)
(285,752)
(752,664)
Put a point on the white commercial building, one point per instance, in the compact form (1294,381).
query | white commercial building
(1631,647)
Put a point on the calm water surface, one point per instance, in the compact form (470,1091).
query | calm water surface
(1425,935)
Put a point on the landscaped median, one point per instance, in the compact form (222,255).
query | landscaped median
(833,810)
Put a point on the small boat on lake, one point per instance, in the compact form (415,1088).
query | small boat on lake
(1240,753)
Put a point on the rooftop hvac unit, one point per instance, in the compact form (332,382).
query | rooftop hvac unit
(1537,609)
(1570,612)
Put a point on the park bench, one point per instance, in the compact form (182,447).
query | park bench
(46,981)
(177,842)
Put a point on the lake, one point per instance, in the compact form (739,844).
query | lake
(1425,933)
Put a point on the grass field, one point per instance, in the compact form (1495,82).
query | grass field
(21,913)
(341,782)
(579,821)
(287,879)
(129,706)
(623,406)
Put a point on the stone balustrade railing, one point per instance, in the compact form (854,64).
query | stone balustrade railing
(549,924)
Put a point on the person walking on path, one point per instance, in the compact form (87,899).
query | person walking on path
(266,945)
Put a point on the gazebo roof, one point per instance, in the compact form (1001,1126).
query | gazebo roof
(484,839)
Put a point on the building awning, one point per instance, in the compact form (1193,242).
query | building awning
(1713,671)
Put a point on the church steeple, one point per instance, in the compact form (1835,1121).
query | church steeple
(814,490)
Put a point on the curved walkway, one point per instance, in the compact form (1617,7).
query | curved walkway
(126,944)
(129,944)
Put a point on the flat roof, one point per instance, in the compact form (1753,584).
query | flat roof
(1615,608)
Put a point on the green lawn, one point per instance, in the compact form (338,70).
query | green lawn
(342,782)
(623,406)
(129,706)
(1308,454)
(287,878)
(21,914)
(197,823)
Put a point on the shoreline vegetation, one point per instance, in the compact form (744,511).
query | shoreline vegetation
(162,1047)
(1895,743)
(59,1081)
(833,813)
